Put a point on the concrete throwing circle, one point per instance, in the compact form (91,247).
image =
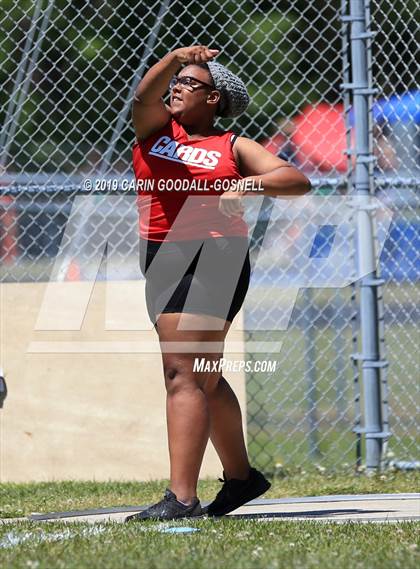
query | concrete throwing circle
(342,508)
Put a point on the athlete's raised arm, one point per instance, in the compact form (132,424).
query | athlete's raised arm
(261,169)
(278,177)
(149,111)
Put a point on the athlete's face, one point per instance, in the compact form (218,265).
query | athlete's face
(189,100)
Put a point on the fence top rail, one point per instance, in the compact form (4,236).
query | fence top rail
(45,185)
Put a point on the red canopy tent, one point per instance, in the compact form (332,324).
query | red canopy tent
(320,137)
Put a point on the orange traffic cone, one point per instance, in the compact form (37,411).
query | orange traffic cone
(8,233)
(73,272)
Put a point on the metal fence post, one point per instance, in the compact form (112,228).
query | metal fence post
(309,336)
(362,179)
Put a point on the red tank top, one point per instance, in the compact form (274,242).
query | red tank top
(177,177)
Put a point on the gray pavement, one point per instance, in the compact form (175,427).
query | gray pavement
(356,508)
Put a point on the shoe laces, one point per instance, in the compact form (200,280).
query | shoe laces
(233,481)
(169,496)
(166,498)
(228,486)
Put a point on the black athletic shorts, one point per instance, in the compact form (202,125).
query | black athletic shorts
(216,286)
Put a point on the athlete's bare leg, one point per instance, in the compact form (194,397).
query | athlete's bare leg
(197,407)
(226,432)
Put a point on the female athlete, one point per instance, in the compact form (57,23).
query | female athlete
(194,255)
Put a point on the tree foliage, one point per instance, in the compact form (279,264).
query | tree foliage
(287,52)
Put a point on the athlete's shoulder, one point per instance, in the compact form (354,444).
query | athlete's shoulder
(170,128)
(243,144)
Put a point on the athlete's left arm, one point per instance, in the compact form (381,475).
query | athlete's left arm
(277,177)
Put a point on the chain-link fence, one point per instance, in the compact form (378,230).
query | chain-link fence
(396,114)
(68,71)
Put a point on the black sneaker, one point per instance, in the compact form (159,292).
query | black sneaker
(235,493)
(168,509)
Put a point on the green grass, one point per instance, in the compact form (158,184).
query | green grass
(224,543)
(23,499)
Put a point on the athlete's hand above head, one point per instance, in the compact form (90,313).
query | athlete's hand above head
(195,54)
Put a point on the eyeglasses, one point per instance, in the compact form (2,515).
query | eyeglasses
(187,82)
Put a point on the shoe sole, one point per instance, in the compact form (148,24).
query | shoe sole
(158,519)
(238,504)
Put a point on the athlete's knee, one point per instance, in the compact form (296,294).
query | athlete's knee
(170,372)
(209,374)
(211,384)
(216,383)
(178,376)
